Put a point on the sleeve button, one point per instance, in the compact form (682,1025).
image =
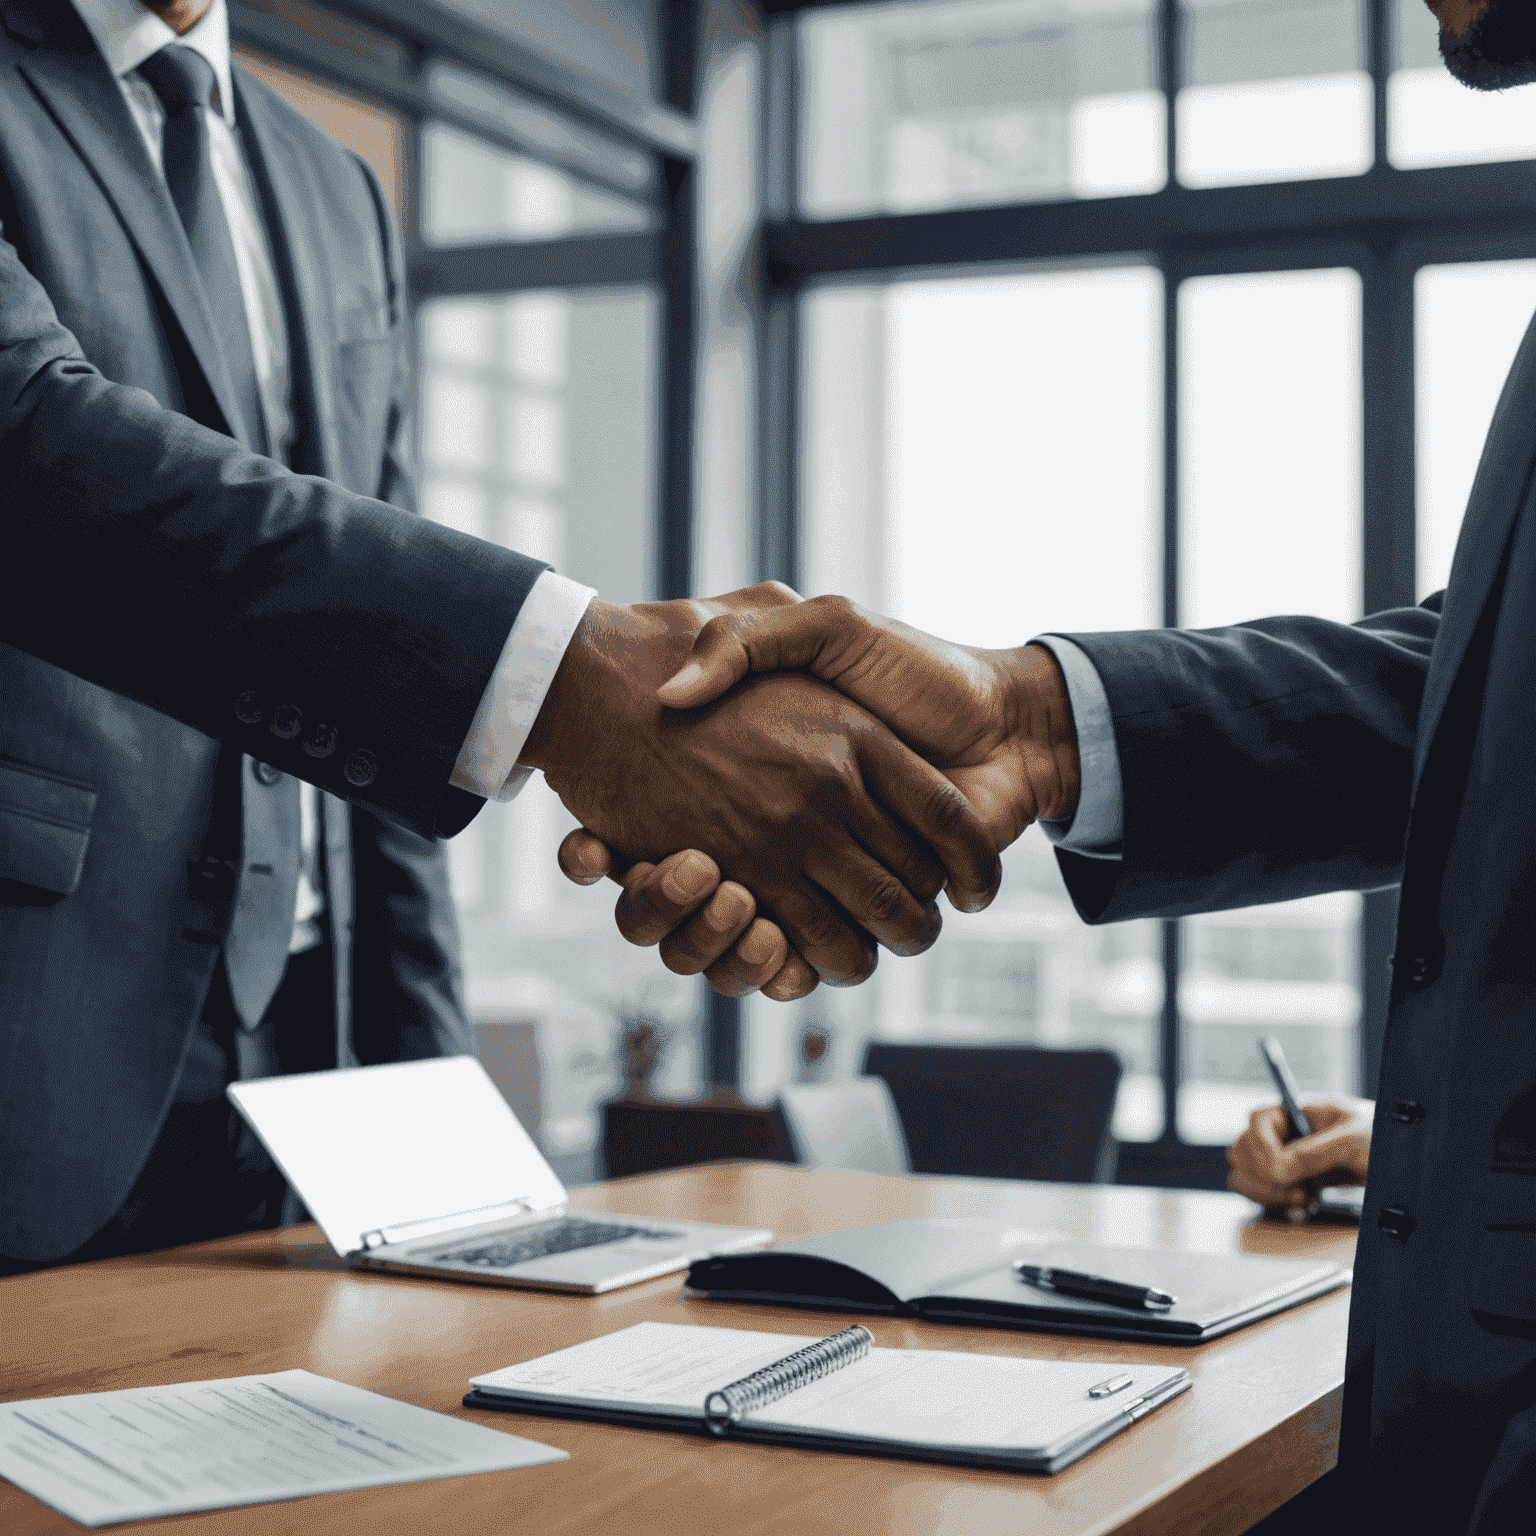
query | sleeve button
(287,722)
(321,741)
(266,774)
(361,769)
(248,708)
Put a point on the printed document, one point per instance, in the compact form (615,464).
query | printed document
(106,1456)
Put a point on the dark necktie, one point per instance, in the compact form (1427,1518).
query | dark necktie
(256,949)
(185,82)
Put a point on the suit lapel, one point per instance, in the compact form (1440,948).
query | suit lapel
(78,89)
(285,181)
(1498,493)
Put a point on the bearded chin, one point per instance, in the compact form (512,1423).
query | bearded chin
(1497,51)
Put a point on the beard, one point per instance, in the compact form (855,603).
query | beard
(1497,51)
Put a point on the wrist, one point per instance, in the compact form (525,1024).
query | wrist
(1038,714)
(606,682)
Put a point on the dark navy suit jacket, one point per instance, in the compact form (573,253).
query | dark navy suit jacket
(158,560)
(1288,756)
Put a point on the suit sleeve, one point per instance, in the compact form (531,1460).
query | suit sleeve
(324,632)
(1263,762)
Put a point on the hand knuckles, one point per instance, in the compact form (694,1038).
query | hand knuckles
(886,900)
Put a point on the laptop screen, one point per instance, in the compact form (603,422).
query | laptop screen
(370,1148)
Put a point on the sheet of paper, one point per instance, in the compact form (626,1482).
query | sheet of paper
(102,1457)
(916,1397)
(660,1367)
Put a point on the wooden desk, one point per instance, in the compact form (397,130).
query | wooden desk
(1260,1424)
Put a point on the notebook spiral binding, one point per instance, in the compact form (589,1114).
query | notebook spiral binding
(726,1406)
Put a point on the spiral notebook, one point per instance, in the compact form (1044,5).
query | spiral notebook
(838,1394)
(960,1269)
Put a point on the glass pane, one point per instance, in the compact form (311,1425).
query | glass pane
(1270,472)
(1274,90)
(473,192)
(1269,434)
(1432,119)
(538,423)
(955,476)
(1469,318)
(965,102)
(1291,971)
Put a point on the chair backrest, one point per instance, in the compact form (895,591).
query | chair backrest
(1007,1112)
(845,1125)
(645,1135)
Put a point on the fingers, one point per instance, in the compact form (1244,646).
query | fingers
(841,954)
(1260,1163)
(1342,1150)
(728,916)
(751,962)
(875,898)
(584,858)
(795,979)
(730,646)
(921,797)
(1282,1174)
(658,898)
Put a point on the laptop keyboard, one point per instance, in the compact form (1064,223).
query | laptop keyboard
(563,1236)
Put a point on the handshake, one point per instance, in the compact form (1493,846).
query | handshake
(770,830)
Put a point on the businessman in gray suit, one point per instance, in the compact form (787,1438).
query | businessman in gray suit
(239,700)
(1190,771)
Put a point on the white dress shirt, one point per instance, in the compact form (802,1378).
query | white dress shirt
(127,34)
(1099,825)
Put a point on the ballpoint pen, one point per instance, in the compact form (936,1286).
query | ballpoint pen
(1072,1282)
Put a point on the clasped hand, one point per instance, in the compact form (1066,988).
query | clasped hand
(996,725)
(781,784)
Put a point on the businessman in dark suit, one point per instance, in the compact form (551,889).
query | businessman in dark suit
(176,912)
(1190,771)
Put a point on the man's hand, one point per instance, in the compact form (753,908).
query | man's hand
(998,722)
(703,923)
(1283,1175)
(782,783)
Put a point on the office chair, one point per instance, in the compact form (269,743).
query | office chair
(1003,1112)
(845,1125)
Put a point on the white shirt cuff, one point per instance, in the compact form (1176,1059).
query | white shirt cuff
(487,764)
(1098,827)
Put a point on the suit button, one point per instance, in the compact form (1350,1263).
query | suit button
(1408,1111)
(287,722)
(248,708)
(361,769)
(321,741)
(1396,1221)
(1419,968)
(267,774)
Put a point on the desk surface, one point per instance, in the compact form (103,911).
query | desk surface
(1260,1424)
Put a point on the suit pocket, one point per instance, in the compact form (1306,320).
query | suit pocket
(45,827)
(1504,1267)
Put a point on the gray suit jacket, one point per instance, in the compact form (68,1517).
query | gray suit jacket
(111,917)
(1273,759)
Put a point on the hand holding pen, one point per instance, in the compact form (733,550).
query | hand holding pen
(1282,1171)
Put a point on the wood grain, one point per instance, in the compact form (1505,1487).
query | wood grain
(1260,1424)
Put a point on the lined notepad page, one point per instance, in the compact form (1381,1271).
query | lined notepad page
(915,1397)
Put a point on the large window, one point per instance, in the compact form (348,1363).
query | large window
(1015,409)
(1067,314)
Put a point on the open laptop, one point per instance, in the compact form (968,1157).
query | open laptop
(422,1167)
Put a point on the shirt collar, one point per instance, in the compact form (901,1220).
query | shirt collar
(127,34)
